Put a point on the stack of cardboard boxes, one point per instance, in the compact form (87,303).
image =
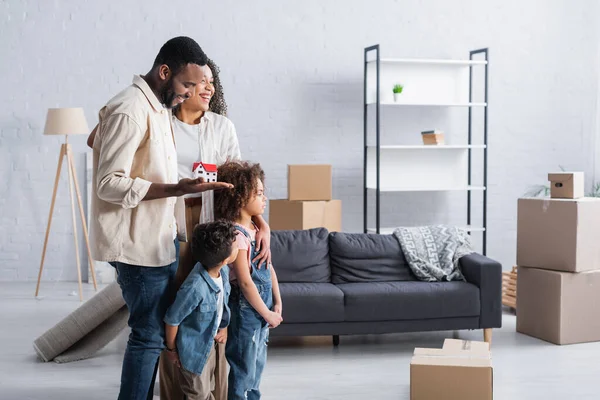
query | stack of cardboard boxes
(461,370)
(309,203)
(558,254)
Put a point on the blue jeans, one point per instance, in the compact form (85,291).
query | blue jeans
(147,292)
(246,347)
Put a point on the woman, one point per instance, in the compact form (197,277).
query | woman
(203,133)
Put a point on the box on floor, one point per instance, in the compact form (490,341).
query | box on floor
(461,370)
(559,234)
(558,307)
(288,215)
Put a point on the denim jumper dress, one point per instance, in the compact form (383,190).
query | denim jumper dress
(248,333)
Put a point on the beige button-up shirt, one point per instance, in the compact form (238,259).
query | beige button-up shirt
(133,148)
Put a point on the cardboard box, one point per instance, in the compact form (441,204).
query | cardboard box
(292,215)
(309,182)
(566,185)
(452,373)
(559,234)
(434,137)
(558,307)
(466,345)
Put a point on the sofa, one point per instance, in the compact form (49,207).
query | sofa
(352,283)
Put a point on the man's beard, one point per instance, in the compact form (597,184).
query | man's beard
(168,94)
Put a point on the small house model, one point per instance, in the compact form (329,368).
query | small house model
(206,171)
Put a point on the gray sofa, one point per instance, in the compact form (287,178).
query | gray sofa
(343,284)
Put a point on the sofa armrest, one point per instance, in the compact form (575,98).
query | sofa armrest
(486,274)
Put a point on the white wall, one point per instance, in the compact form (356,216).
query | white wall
(293,79)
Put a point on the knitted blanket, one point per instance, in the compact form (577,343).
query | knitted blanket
(433,252)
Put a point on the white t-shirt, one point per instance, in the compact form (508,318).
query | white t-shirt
(220,299)
(213,141)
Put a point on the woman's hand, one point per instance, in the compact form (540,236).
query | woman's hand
(263,245)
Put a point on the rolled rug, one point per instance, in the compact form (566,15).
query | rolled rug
(80,322)
(94,341)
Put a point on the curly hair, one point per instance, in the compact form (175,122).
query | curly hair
(244,177)
(212,242)
(217,102)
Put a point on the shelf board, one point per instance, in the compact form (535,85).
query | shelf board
(398,104)
(389,231)
(433,189)
(432,147)
(457,63)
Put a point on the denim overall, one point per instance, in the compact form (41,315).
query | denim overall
(248,333)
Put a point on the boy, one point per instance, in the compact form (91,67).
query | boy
(200,309)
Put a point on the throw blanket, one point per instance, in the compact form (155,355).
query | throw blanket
(433,252)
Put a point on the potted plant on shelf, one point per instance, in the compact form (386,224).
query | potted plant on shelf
(397,90)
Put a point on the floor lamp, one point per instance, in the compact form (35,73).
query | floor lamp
(67,121)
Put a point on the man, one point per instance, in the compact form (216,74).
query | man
(136,185)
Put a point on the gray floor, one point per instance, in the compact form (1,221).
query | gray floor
(363,367)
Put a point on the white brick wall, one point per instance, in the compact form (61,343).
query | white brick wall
(293,80)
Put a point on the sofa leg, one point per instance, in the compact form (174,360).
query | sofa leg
(336,340)
(487,336)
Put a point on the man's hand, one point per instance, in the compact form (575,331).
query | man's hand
(221,336)
(273,319)
(263,245)
(183,187)
(173,357)
(190,186)
(278,308)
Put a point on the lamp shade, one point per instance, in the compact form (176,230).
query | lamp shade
(66,121)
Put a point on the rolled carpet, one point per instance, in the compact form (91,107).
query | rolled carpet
(75,326)
(94,341)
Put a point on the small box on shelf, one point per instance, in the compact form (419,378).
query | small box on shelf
(433,137)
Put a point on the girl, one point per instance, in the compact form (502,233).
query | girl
(255,301)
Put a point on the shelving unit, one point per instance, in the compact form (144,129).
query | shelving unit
(424,168)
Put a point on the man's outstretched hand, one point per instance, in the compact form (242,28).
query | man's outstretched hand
(183,187)
(198,185)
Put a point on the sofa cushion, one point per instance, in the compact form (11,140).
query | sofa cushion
(301,256)
(361,257)
(311,302)
(389,301)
